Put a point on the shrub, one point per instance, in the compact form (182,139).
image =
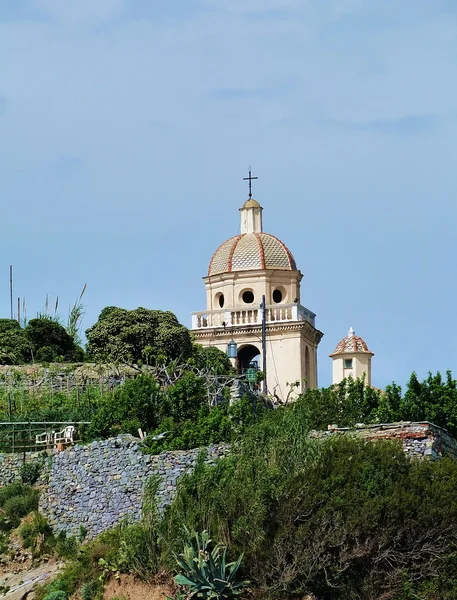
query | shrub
(59,595)
(30,472)
(92,590)
(66,546)
(17,501)
(138,551)
(36,534)
(50,341)
(127,408)
(10,490)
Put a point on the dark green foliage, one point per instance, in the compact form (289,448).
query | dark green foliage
(340,517)
(204,571)
(65,546)
(50,342)
(211,359)
(16,501)
(351,402)
(36,534)
(181,410)
(92,590)
(130,406)
(30,472)
(15,348)
(136,551)
(184,398)
(207,426)
(345,404)
(138,336)
(59,595)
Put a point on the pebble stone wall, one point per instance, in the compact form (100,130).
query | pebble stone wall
(98,485)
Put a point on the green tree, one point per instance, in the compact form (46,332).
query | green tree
(138,336)
(184,398)
(345,404)
(14,345)
(212,359)
(49,341)
(130,406)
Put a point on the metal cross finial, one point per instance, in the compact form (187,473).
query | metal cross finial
(250,178)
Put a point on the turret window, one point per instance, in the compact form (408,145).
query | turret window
(348,363)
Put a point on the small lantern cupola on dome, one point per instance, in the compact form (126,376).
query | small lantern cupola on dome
(251,217)
(351,358)
(251,211)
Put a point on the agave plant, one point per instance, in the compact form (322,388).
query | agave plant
(205,571)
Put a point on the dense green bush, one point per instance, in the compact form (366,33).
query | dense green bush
(58,595)
(138,336)
(36,534)
(208,426)
(211,359)
(16,501)
(130,406)
(92,590)
(65,546)
(15,348)
(30,472)
(339,517)
(352,401)
(50,342)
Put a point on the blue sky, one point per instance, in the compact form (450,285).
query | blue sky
(126,127)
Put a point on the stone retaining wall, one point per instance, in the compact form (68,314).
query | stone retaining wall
(11,465)
(98,485)
(419,439)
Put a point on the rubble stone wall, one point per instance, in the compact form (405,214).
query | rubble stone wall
(11,465)
(98,485)
(419,440)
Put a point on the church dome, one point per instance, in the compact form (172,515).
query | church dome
(251,251)
(351,343)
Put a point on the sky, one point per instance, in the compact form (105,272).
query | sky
(127,126)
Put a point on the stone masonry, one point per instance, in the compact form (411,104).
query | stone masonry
(100,484)
(11,464)
(419,440)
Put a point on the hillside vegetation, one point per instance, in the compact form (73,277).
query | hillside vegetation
(282,516)
(339,518)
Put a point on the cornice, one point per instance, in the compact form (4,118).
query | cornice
(296,326)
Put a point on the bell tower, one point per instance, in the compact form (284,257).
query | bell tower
(279,333)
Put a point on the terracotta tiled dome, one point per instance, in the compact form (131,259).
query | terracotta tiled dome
(351,343)
(251,251)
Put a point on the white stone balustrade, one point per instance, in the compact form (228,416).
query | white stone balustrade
(276,313)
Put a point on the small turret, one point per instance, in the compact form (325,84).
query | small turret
(351,358)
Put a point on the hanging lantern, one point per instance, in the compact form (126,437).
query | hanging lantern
(232,349)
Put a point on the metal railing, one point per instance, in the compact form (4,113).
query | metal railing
(25,436)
